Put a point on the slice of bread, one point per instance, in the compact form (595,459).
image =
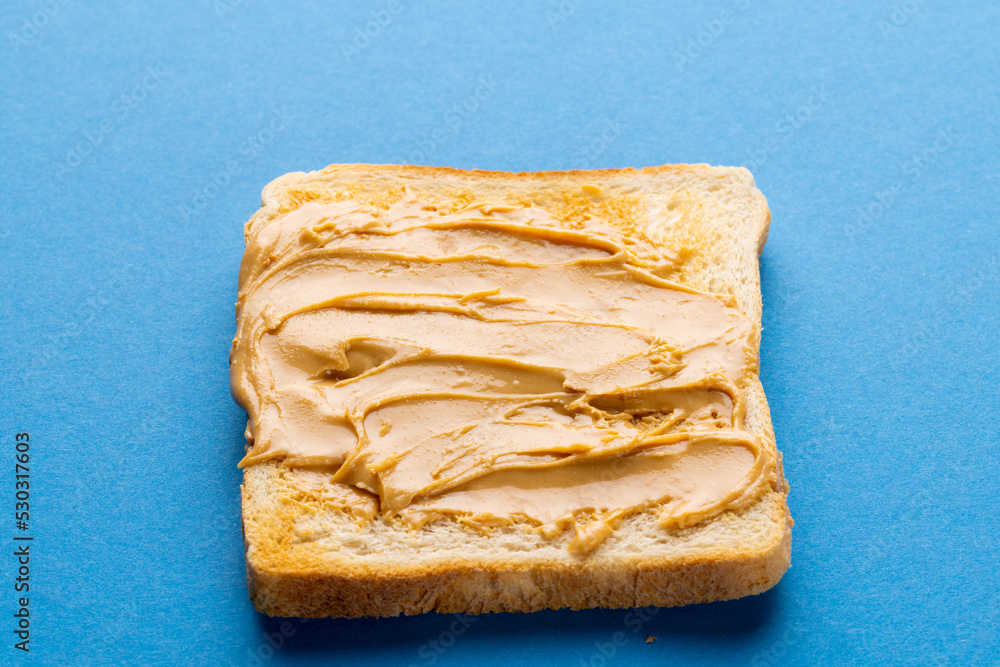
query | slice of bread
(306,556)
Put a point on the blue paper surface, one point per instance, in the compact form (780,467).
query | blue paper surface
(135,139)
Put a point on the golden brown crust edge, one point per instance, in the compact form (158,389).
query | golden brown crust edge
(481,590)
(288,577)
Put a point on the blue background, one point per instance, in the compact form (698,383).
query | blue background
(135,140)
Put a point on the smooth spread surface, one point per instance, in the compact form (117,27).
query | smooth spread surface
(492,366)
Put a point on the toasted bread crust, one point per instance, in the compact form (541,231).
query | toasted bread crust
(308,559)
(287,577)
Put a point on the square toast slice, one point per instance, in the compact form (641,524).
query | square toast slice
(309,555)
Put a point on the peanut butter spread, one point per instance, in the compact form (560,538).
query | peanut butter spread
(491,366)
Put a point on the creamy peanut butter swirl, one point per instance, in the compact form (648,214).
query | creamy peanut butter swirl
(491,366)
